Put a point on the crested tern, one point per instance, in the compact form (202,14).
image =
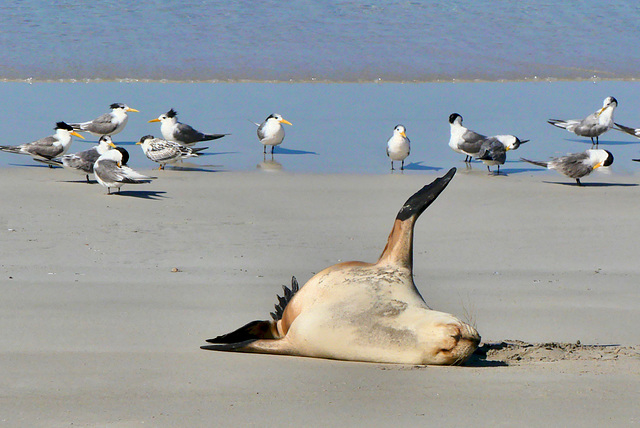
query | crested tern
(163,151)
(82,162)
(577,165)
(398,146)
(493,150)
(47,148)
(271,132)
(181,133)
(112,172)
(593,125)
(463,140)
(109,123)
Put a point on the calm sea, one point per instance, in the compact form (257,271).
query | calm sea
(329,40)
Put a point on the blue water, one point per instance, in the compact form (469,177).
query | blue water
(337,127)
(303,40)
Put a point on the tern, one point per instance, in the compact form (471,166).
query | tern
(107,124)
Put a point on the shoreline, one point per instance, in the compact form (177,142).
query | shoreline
(526,79)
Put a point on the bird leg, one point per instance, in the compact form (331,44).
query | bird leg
(402,166)
(578,181)
(88,182)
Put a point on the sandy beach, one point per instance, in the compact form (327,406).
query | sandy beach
(106,299)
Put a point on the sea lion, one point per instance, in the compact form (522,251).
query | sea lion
(361,311)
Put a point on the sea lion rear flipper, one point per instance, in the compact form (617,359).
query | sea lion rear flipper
(399,248)
(424,197)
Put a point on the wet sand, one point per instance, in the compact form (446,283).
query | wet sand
(106,299)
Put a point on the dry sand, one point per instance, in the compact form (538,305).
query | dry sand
(99,329)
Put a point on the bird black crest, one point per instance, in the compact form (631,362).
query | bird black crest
(63,125)
(116,105)
(171,113)
(125,155)
(453,117)
(609,159)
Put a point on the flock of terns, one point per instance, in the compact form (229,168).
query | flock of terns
(492,150)
(109,163)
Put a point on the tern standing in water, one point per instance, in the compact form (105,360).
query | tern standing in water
(109,123)
(47,148)
(463,140)
(181,133)
(398,146)
(593,125)
(271,131)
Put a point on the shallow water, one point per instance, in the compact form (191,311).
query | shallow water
(336,40)
(337,128)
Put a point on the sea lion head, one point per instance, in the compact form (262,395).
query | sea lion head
(449,341)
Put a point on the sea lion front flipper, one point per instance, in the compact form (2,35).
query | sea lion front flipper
(399,248)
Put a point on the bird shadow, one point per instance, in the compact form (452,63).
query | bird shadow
(194,167)
(283,151)
(202,154)
(592,184)
(141,194)
(508,171)
(604,142)
(417,166)
(39,165)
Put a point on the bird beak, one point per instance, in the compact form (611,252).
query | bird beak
(524,141)
(75,134)
(506,149)
(403,134)
(598,165)
(119,164)
(112,145)
(154,120)
(601,110)
(138,143)
(132,109)
(286,121)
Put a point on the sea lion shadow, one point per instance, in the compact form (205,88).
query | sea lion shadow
(417,166)
(479,358)
(142,194)
(591,184)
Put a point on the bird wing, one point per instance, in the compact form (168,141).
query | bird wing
(44,147)
(185,134)
(162,151)
(82,160)
(575,165)
(471,142)
(492,150)
(101,125)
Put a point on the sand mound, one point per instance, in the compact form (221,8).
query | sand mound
(515,351)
